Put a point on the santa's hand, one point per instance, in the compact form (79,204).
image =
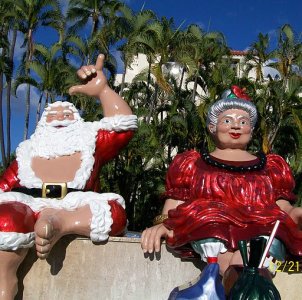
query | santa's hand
(151,237)
(94,78)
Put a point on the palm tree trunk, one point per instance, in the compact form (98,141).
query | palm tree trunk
(195,82)
(95,24)
(153,103)
(8,96)
(27,73)
(3,156)
(27,111)
(149,80)
(194,88)
(272,137)
(39,109)
(123,78)
(181,79)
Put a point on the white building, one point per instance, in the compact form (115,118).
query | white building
(140,64)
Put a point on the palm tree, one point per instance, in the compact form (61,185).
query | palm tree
(159,41)
(8,94)
(75,46)
(52,75)
(288,52)
(145,45)
(133,25)
(81,11)
(165,39)
(206,50)
(104,31)
(111,32)
(33,14)
(279,102)
(7,20)
(278,108)
(258,55)
(5,72)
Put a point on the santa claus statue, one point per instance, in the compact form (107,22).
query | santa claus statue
(52,188)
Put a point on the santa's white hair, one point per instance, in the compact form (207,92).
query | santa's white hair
(64,104)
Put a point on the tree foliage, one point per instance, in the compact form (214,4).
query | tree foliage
(171,109)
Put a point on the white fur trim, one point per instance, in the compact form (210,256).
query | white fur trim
(117,123)
(7,197)
(101,220)
(14,240)
(25,172)
(101,215)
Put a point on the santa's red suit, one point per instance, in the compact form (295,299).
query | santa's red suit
(101,142)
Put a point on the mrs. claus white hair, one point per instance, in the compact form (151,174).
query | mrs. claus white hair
(231,103)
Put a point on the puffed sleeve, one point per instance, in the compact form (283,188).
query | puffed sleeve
(179,176)
(281,177)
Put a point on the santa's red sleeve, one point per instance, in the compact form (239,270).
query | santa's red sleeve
(9,178)
(110,143)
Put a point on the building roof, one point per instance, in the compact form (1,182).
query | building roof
(238,52)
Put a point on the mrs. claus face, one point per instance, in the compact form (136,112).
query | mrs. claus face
(233,129)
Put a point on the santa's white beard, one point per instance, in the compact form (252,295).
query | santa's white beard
(49,141)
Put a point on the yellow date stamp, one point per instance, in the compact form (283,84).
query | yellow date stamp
(288,266)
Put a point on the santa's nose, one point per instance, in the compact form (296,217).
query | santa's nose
(60,117)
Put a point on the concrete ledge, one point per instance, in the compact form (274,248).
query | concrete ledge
(78,270)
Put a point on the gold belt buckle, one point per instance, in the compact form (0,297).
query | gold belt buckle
(46,191)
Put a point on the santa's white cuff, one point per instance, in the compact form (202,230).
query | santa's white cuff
(101,215)
(117,123)
(14,240)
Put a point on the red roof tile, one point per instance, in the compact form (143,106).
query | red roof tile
(238,52)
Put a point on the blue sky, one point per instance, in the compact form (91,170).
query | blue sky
(240,22)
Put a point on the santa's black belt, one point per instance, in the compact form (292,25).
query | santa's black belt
(49,190)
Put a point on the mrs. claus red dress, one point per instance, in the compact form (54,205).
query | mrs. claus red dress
(230,201)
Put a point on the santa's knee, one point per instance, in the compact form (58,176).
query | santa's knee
(17,222)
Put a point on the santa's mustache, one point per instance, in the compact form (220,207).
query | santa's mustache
(58,123)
